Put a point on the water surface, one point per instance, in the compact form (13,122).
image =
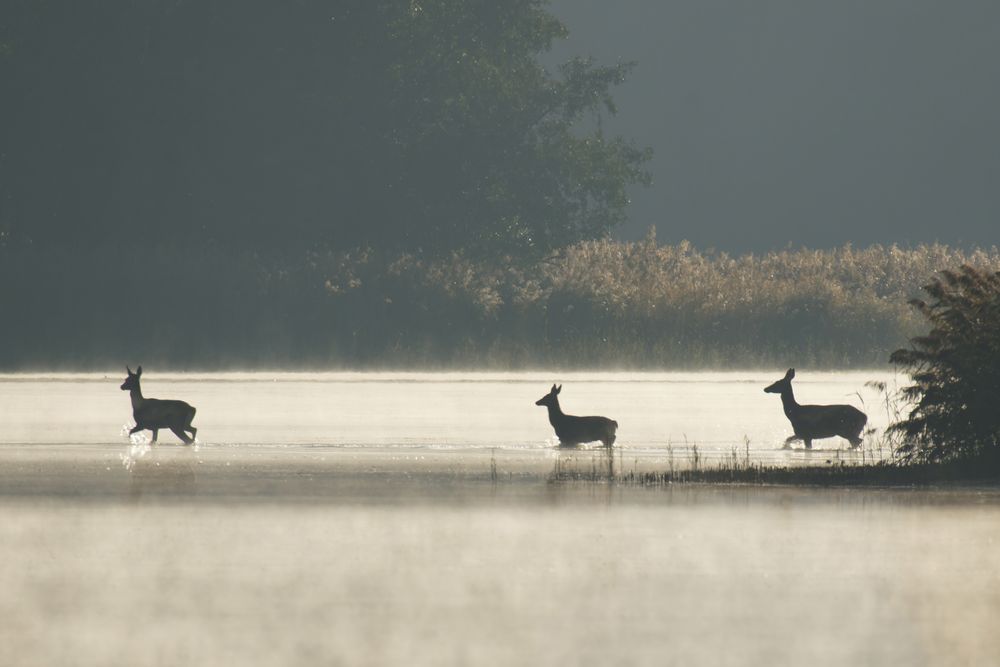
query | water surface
(714,411)
(409,519)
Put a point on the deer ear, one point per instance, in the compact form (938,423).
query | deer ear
(790,374)
(559,389)
(128,370)
(553,390)
(138,371)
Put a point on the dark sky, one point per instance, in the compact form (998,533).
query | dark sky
(809,123)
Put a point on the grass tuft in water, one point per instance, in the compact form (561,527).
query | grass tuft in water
(738,468)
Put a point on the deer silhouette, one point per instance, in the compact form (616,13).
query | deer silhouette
(154,414)
(812,422)
(577,430)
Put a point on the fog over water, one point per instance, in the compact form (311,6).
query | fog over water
(762,576)
(410,518)
(714,411)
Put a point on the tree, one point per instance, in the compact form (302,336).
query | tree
(489,143)
(955,371)
(400,124)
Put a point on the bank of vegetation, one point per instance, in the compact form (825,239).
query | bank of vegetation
(642,305)
(595,304)
(372,183)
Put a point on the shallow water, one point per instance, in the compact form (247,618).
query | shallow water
(408,519)
(714,411)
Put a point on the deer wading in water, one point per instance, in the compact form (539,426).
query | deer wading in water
(576,430)
(812,422)
(154,414)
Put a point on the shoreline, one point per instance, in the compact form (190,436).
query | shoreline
(267,474)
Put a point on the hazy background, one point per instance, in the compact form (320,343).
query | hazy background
(378,182)
(809,123)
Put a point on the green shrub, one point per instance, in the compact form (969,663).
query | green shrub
(955,370)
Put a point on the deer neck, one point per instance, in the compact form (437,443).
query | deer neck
(555,412)
(788,402)
(136,395)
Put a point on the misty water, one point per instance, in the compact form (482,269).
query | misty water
(461,412)
(410,518)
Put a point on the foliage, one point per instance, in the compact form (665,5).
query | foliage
(404,125)
(605,303)
(955,369)
(599,304)
(485,135)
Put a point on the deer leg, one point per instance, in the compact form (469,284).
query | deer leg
(789,440)
(135,430)
(179,432)
(809,442)
(155,433)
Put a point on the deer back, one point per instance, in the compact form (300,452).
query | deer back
(572,429)
(160,413)
(825,421)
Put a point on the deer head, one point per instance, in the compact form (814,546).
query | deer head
(550,399)
(782,385)
(132,381)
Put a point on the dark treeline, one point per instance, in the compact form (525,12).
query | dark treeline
(233,183)
(169,171)
(254,125)
(598,304)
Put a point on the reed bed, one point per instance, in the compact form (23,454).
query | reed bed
(596,304)
(642,304)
